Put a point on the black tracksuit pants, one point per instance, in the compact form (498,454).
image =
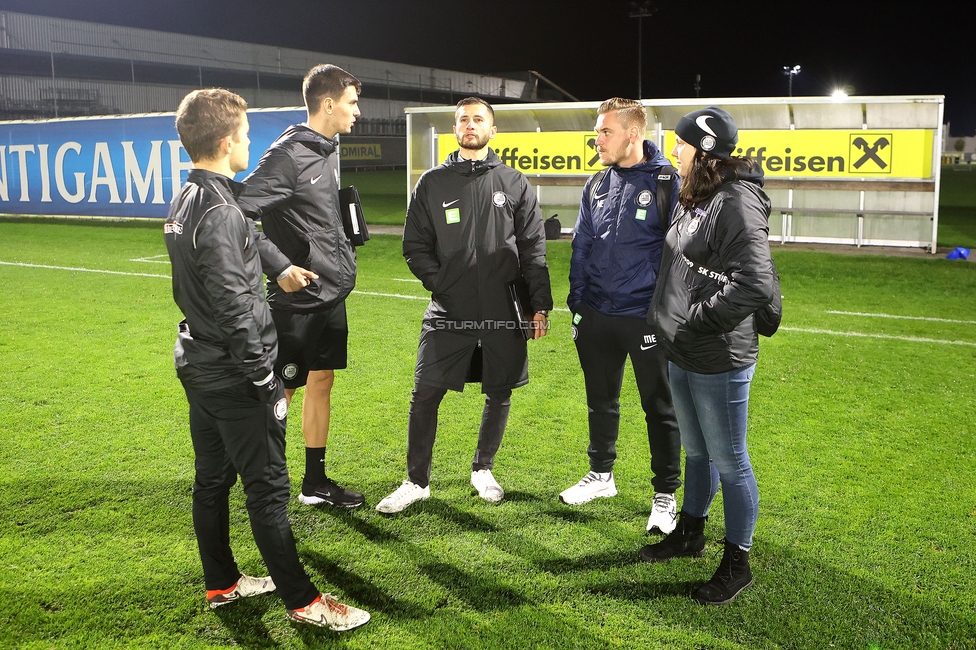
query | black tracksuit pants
(422,429)
(603,344)
(235,433)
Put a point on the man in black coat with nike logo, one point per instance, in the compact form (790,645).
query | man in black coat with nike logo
(294,190)
(472,228)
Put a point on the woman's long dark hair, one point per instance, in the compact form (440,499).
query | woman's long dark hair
(708,173)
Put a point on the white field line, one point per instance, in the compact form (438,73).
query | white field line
(153,259)
(910,339)
(405,279)
(72,268)
(934,320)
(390,295)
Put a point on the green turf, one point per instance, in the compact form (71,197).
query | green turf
(957,208)
(864,449)
(958,187)
(383,194)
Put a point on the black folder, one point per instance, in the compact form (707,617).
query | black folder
(353,221)
(518,293)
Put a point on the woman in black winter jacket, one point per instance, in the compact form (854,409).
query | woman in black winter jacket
(716,272)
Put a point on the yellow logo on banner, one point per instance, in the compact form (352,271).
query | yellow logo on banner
(367,151)
(871,153)
(555,153)
(836,153)
(811,153)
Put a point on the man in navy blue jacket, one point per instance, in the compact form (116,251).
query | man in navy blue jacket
(616,254)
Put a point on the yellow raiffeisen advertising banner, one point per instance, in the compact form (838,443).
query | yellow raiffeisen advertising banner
(827,153)
(557,153)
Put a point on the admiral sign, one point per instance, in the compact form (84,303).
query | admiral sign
(826,153)
(361,151)
(107,166)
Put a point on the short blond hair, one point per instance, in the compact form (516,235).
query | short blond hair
(630,112)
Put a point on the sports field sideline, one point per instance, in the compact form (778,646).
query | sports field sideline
(862,434)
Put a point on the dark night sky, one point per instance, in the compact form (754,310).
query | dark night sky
(590,47)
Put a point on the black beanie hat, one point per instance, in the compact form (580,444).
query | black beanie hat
(711,130)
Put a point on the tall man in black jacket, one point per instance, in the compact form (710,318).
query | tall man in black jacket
(473,227)
(294,190)
(224,356)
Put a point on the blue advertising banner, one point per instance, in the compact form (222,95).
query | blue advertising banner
(128,166)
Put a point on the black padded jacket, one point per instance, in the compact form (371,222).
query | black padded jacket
(472,227)
(294,190)
(716,271)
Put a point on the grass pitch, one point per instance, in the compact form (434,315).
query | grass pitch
(957,207)
(862,433)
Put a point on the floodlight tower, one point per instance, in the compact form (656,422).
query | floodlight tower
(640,12)
(791,72)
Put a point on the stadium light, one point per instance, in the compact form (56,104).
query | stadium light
(839,94)
(640,12)
(791,72)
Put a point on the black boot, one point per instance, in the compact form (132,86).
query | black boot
(733,575)
(686,540)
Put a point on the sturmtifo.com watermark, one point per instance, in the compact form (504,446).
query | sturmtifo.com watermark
(487,324)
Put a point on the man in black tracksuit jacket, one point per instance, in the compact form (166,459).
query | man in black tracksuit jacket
(473,227)
(225,354)
(616,254)
(294,190)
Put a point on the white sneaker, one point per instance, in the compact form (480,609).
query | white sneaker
(664,514)
(245,587)
(405,495)
(488,488)
(326,611)
(590,487)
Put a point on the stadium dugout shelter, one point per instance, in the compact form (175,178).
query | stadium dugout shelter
(863,171)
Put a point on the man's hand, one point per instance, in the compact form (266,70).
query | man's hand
(268,389)
(539,326)
(294,278)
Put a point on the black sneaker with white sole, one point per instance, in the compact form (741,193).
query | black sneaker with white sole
(330,493)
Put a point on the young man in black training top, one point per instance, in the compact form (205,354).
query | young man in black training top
(224,355)
(294,190)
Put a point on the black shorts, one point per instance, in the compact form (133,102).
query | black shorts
(315,341)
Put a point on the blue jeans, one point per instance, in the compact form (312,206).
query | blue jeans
(712,411)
